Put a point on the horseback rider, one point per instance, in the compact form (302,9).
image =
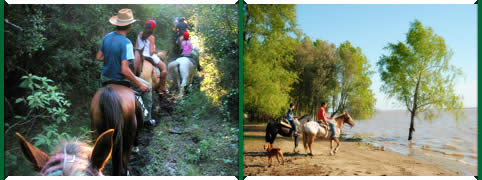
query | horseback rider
(186,50)
(116,51)
(325,119)
(289,117)
(146,41)
(181,27)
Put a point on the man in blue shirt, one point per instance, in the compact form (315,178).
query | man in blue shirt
(115,51)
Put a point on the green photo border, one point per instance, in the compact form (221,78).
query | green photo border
(240,89)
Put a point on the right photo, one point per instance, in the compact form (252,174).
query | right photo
(360,90)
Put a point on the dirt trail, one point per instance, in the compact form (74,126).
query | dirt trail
(352,159)
(139,160)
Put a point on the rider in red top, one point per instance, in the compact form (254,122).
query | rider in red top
(323,117)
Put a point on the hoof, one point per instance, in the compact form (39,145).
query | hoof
(331,153)
(310,154)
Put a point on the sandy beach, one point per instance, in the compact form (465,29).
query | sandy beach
(352,159)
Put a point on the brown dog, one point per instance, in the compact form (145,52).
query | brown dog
(274,152)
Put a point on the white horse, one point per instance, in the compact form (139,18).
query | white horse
(182,69)
(313,129)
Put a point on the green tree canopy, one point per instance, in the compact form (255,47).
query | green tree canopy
(353,91)
(418,74)
(316,68)
(269,48)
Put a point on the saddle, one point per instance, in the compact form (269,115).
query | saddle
(324,126)
(285,123)
(127,84)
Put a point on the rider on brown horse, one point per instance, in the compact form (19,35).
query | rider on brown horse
(116,52)
(324,118)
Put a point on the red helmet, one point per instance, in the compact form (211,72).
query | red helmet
(186,35)
(151,24)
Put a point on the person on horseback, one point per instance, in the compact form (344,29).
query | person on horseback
(289,117)
(116,51)
(186,45)
(181,27)
(186,50)
(325,119)
(146,41)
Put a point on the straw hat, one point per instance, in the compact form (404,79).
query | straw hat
(123,18)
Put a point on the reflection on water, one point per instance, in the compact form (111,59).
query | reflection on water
(443,141)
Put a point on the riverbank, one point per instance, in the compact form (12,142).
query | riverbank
(353,159)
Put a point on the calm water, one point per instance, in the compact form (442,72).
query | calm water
(443,141)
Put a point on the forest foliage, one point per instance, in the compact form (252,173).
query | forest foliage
(282,66)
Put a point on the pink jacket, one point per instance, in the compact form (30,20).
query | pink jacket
(186,47)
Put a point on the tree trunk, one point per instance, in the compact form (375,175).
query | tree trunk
(414,109)
(412,117)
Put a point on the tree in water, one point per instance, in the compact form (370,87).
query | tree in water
(418,74)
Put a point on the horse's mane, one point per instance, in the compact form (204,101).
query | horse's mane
(71,159)
(304,116)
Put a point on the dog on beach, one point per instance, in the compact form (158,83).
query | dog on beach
(271,151)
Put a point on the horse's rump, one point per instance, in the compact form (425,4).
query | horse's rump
(114,107)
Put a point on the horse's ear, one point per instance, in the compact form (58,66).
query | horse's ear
(33,154)
(102,149)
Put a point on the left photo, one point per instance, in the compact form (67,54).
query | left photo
(116,90)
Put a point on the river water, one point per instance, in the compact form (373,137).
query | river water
(444,141)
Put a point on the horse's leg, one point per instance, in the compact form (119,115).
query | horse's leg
(282,159)
(130,139)
(337,144)
(312,140)
(331,147)
(296,143)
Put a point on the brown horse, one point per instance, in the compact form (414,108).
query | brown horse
(115,107)
(71,158)
(313,129)
(149,75)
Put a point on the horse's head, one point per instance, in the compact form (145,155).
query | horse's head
(163,55)
(71,158)
(347,119)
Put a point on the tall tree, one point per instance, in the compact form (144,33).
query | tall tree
(353,92)
(269,48)
(418,74)
(316,68)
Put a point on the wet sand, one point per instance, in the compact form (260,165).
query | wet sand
(352,159)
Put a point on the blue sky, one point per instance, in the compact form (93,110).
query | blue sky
(372,27)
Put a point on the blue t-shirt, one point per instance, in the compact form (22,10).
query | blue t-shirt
(116,48)
(290,111)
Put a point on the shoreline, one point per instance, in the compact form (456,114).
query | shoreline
(353,158)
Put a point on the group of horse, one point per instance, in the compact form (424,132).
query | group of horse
(310,130)
(116,119)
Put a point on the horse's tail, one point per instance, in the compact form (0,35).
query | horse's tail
(305,140)
(111,107)
(172,71)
